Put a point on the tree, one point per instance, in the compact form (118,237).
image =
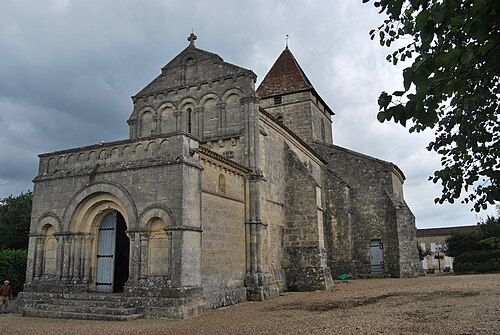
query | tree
(477,251)
(15,215)
(452,86)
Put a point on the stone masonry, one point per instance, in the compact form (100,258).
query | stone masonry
(222,193)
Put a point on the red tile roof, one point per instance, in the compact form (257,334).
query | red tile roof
(285,76)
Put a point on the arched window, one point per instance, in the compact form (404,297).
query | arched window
(222,183)
(280,119)
(189,120)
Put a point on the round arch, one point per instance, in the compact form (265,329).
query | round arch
(47,218)
(231,91)
(96,200)
(156,211)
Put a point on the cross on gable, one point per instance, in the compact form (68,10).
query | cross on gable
(192,37)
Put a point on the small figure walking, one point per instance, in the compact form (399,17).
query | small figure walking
(5,296)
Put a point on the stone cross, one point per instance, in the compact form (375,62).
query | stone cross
(192,37)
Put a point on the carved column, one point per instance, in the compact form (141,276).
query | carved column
(66,256)
(221,112)
(77,264)
(198,112)
(72,257)
(158,119)
(134,256)
(156,123)
(39,257)
(178,120)
(144,254)
(132,129)
(59,256)
(87,274)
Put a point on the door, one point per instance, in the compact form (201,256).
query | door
(377,255)
(106,253)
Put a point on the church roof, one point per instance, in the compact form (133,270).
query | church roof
(285,76)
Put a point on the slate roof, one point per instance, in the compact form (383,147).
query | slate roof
(285,76)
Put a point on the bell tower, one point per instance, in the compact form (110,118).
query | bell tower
(289,96)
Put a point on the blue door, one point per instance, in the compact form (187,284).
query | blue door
(106,242)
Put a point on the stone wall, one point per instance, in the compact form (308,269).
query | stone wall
(155,184)
(305,254)
(223,245)
(376,211)
(304,114)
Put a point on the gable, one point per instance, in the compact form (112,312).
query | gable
(192,66)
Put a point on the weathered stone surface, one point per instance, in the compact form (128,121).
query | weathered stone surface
(212,200)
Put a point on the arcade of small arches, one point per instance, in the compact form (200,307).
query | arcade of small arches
(70,252)
(210,116)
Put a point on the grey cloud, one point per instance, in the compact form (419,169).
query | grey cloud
(68,69)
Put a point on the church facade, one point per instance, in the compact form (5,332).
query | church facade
(222,193)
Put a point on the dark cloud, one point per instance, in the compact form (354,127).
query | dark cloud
(68,69)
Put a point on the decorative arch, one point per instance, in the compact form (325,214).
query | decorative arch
(47,218)
(97,197)
(167,122)
(231,91)
(231,113)
(156,211)
(147,117)
(186,102)
(211,95)
(49,248)
(187,107)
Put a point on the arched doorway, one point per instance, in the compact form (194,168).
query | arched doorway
(112,254)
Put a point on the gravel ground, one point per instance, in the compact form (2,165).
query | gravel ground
(425,305)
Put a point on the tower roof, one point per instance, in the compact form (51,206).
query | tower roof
(285,76)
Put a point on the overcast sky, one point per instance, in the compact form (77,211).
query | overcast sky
(68,69)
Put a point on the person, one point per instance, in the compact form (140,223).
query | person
(5,296)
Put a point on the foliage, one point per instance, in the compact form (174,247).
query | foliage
(452,86)
(13,268)
(15,215)
(477,251)
(422,253)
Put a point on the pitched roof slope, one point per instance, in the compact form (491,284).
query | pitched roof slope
(285,76)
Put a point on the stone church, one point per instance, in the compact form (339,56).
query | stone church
(222,193)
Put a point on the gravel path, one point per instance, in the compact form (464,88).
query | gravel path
(425,305)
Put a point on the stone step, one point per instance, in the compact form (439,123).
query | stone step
(87,309)
(95,296)
(30,312)
(92,303)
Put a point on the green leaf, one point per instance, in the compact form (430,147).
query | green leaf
(381,117)
(422,18)
(384,100)
(408,78)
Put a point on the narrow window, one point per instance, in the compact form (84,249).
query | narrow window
(323,134)
(277,100)
(189,111)
(222,183)
(280,119)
